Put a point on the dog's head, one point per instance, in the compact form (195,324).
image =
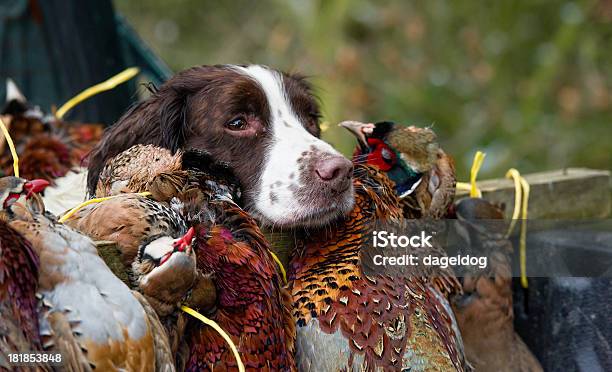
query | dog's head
(261,122)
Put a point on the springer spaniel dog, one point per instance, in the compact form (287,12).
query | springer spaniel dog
(263,123)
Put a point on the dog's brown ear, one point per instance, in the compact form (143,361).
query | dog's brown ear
(175,98)
(173,118)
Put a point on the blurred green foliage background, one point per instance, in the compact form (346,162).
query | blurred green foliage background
(527,81)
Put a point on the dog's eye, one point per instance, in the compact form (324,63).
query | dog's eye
(238,123)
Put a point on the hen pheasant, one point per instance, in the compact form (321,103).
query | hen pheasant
(156,249)
(423,173)
(138,169)
(165,175)
(347,320)
(131,220)
(484,311)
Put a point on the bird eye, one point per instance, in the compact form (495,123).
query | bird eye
(238,123)
(386,155)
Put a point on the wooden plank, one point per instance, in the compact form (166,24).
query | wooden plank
(572,193)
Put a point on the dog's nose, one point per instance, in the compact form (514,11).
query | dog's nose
(334,170)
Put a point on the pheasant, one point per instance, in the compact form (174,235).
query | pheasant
(133,219)
(41,154)
(29,121)
(130,220)
(23,119)
(347,320)
(84,311)
(138,169)
(156,170)
(484,312)
(251,305)
(19,330)
(148,234)
(423,173)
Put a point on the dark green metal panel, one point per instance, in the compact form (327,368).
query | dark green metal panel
(137,53)
(53,49)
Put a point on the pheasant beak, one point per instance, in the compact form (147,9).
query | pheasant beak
(35,186)
(183,243)
(361,131)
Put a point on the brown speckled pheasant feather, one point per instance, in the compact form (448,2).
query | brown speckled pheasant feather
(136,169)
(349,321)
(128,219)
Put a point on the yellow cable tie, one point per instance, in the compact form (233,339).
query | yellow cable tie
(523,237)
(109,84)
(9,140)
(71,212)
(217,328)
(476,164)
(280,265)
(516,177)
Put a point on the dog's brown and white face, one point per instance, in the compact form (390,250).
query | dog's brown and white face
(261,122)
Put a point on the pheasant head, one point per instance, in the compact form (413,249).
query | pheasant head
(164,270)
(14,189)
(405,153)
(412,158)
